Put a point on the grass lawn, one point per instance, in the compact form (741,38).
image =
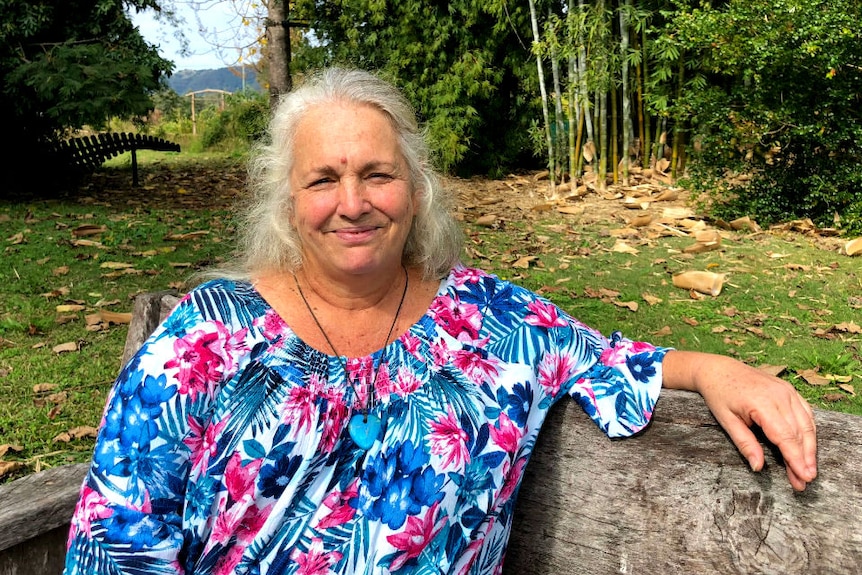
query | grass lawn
(72,267)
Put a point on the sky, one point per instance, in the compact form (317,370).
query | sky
(220,24)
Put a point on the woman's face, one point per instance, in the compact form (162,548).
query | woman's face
(353,201)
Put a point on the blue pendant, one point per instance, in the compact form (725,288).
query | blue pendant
(364,429)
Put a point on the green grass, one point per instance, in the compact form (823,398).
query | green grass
(773,310)
(779,311)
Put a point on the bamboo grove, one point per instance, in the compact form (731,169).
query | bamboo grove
(707,89)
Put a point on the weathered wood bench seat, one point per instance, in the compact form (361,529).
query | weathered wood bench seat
(678,499)
(87,153)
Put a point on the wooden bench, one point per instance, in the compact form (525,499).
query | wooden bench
(677,499)
(87,153)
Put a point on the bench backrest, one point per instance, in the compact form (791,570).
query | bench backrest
(677,499)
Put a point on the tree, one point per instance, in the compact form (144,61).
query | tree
(66,64)
(465,65)
(782,104)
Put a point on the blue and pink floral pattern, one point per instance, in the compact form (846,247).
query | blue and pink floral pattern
(223,447)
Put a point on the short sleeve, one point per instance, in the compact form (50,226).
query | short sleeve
(621,387)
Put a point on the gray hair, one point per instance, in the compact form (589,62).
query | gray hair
(267,239)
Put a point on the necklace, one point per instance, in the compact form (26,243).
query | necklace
(364,427)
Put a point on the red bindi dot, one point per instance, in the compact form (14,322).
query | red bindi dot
(343,159)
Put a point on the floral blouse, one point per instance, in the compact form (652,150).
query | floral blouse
(223,447)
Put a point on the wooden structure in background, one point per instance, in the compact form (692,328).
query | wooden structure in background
(86,153)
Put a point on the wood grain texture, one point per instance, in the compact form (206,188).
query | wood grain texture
(679,498)
(38,503)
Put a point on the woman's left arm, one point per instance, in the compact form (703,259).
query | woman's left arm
(740,396)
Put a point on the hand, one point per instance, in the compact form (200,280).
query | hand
(740,396)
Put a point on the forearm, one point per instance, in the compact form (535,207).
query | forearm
(681,369)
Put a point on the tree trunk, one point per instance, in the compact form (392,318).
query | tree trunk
(624,77)
(615,136)
(646,136)
(678,121)
(278,50)
(544,93)
(558,103)
(582,78)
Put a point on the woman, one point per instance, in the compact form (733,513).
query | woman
(348,398)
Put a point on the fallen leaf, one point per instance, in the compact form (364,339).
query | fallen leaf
(116,265)
(848,388)
(708,283)
(663,331)
(853,247)
(86,243)
(641,220)
(812,377)
(76,433)
(69,308)
(88,230)
(745,223)
(774,370)
(7,467)
(651,299)
(115,317)
(571,210)
(621,247)
(523,262)
(58,397)
(6,448)
(44,387)
(186,236)
(64,347)
(632,305)
(486,220)
(848,327)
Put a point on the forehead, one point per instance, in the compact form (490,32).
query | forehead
(340,120)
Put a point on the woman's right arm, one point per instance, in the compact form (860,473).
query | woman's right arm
(129,515)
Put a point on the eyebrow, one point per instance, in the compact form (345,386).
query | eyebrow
(328,169)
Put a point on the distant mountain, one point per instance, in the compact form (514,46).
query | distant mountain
(227,79)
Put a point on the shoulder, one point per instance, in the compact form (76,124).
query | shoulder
(471,282)
(218,299)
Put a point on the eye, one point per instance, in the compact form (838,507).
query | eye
(380,177)
(320,182)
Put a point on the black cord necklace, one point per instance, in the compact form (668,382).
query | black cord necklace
(364,427)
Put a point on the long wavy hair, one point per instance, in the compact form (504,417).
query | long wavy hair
(267,239)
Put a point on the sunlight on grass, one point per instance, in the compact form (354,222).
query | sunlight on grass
(98,251)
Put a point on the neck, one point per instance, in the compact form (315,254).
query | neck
(354,293)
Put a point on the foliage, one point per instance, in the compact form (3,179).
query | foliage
(70,63)
(783,105)
(244,117)
(464,64)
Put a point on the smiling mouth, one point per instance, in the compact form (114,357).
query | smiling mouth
(355,233)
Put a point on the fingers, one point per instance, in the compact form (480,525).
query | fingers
(791,428)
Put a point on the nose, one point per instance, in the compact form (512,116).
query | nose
(352,200)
